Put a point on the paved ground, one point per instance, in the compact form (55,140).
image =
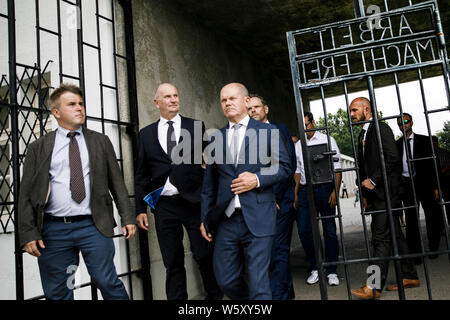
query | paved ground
(438,269)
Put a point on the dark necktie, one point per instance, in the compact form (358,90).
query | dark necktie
(361,161)
(408,148)
(76,169)
(361,142)
(171,141)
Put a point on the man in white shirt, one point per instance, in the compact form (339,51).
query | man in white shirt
(325,202)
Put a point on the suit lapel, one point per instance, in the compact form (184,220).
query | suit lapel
(154,136)
(226,150)
(49,143)
(92,149)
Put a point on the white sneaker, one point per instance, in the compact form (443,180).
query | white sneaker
(313,278)
(333,279)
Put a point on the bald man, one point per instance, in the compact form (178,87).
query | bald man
(373,196)
(238,201)
(179,202)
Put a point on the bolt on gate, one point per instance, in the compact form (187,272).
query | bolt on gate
(45,43)
(368,53)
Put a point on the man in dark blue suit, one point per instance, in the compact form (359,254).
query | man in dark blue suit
(280,273)
(238,195)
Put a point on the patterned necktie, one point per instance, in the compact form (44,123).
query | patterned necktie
(76,170)
(235,143)
(171,143)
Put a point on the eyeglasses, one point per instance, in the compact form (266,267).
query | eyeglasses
(405,121)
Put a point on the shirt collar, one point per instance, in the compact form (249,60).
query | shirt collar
(314,137)
(60,130)
(244,122)
(366,125)
(176,119)
(267,121)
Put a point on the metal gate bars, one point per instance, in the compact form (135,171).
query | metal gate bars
(391,47)
(46,43)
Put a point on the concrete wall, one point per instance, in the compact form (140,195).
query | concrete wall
(172,47)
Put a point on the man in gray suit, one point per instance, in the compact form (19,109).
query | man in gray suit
(65,205)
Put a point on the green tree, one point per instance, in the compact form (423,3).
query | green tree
(444,136)
(340,130)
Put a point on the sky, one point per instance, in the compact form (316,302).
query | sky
(411,99)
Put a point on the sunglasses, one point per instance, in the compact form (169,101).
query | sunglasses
(405,121)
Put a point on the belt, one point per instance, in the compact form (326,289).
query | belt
(68,219)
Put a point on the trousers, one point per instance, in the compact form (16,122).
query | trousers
(61,255)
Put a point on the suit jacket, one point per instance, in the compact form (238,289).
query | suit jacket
(369,164)
(105,177)
(285,189)
(426,180)
(258,205)
(154,165)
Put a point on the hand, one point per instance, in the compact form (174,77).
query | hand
(367,184)
(332,199)
(32,249)
(246,181)
(278,207)
(436,194)
(295,202)
(205,235)
(364,203)
(129,231)
(142,221)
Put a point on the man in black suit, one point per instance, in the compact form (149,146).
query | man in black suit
(373,196)
(280,273)
(158,166)
(65,205)
(425,184)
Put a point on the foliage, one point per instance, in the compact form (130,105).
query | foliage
(444,136)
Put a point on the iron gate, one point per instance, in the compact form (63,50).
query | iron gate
(363,53)
(44,43)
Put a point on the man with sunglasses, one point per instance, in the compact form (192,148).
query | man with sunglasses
(419,173)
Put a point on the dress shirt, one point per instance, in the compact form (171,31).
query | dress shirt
(317,138)
(60,202)
(405,171)
(169,189)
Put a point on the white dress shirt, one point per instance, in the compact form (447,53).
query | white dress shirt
(169,189)
(235,203)
(317,138)
(60,202)
(405,171)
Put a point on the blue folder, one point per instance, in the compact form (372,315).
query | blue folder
(152,197)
